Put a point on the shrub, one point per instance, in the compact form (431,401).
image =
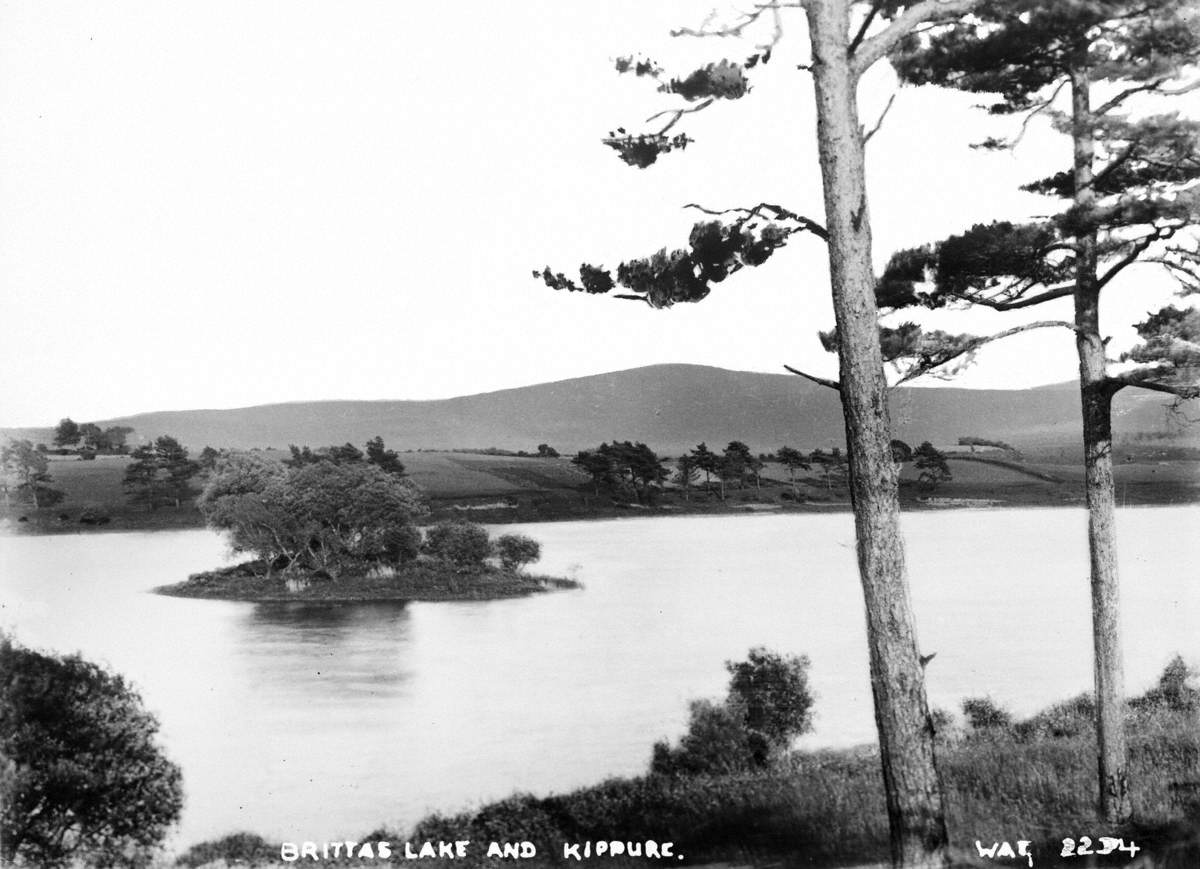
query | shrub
(84,779)
(401,543)
(517,550)
(768,704)
(1175,691)
(773,690)
(983,715)
(716,743)
(463,544)
(233,849)
(1067,720)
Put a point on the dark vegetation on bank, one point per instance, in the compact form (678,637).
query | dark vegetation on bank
(729,791)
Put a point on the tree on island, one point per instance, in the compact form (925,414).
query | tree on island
(84,779)
(1129,195)
(846,39)
(465,545)
(322,516)
(516,550)
(27,475)
(160,474)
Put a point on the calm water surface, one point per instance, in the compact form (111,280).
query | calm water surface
(304,722)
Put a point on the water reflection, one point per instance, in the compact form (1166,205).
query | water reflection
(323,654)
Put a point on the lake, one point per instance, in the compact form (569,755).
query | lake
(300,722)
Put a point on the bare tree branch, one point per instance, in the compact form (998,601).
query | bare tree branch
(882,115)
(1144,379)
(738,27)
(821,381)
(1183,89)
(862,30)
(679,113)
(937,360)
(875,47)
(1041,107)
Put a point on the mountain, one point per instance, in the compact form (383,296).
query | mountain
(670,407)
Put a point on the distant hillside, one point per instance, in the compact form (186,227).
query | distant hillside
(670,407)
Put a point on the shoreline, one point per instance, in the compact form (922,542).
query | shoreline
(420,582)
(1145,496)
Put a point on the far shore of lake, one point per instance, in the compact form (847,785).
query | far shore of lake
(490,511)
(423,581)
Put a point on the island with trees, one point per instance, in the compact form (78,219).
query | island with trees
(338,524)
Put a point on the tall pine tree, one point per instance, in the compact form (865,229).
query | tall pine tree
(846,38)
(1129,196)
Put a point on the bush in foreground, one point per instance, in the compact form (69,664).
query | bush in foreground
(768,705)
(83,779)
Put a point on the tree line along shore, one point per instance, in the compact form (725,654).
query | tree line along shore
(104,484)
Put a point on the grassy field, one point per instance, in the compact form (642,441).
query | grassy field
(498,488)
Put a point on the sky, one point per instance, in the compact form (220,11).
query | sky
(224,204)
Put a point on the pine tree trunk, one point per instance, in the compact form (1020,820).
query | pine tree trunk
(912,784)
(1096,394)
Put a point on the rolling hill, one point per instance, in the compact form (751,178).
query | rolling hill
(670,407)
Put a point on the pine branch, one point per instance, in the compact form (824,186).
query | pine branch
(1155,86)
(997,305)
(1107,107)
(938,359)
(1143,379)
(778,212)
(875,47)
(820,381)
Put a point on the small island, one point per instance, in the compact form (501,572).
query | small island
(339,525)
(423,582)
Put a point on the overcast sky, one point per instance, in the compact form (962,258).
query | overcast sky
(222,204)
